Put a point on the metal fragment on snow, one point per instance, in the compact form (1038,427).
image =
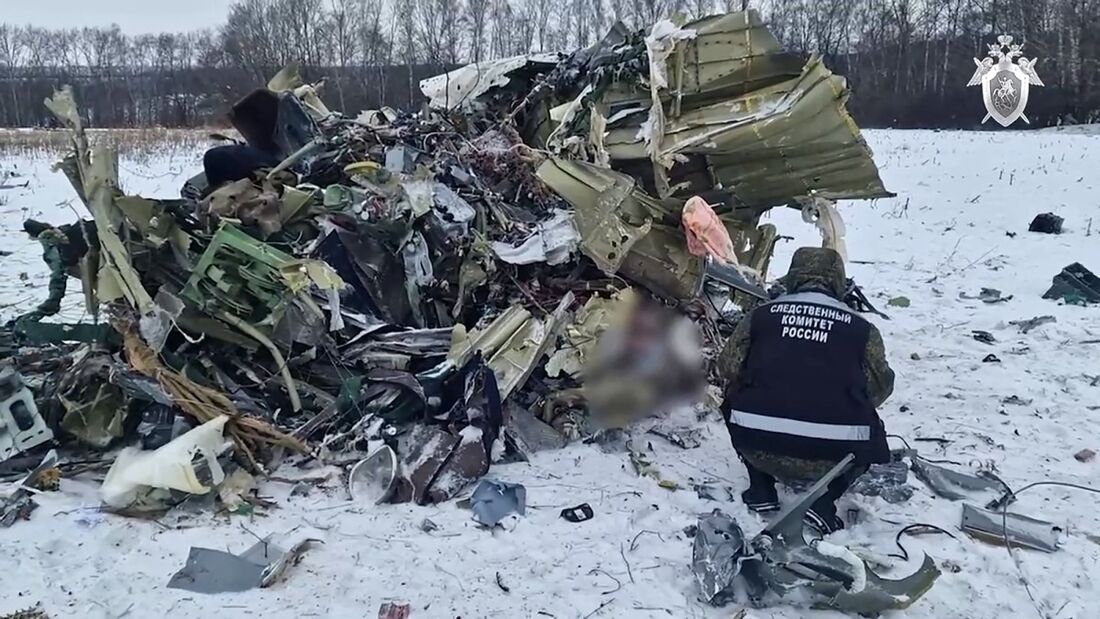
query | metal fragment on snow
(718,547)
(994,526)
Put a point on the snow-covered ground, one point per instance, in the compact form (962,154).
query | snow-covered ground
(959,223)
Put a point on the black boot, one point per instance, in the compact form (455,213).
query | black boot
(822,518)
(761,498)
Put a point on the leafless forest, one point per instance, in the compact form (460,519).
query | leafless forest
(907,60)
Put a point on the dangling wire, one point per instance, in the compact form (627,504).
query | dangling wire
(914,529)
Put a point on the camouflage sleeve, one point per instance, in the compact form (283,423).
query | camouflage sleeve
(880,378)
(732,358)
(58,281)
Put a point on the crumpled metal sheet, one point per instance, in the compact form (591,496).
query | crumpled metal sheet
(94,173)
(529,435)
(767,126)
(607,215)
(715,559)
(425,449)
(216,571)
(374,272)
(553,242)
(464,85)
(493,500)
(951,484)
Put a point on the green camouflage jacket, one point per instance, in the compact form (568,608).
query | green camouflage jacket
(812,269)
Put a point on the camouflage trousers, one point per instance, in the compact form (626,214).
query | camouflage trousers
(796,472)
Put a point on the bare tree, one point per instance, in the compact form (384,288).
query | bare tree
(477,20)
(906,60)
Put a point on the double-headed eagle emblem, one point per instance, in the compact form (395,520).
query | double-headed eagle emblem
(1005,77)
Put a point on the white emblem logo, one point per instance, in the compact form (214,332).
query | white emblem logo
(1005,83)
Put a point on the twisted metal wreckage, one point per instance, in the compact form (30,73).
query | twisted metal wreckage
(398,280)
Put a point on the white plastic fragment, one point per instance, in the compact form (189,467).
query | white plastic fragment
(859,569)
(170,468)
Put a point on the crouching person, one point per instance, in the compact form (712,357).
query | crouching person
(804,376)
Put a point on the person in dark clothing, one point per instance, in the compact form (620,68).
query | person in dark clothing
(63,247)
(804,376)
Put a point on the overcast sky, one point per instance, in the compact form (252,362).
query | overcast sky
(133,16)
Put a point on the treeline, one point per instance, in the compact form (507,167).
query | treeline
(907,60)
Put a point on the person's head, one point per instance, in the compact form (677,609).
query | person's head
(35,228)
(816,268)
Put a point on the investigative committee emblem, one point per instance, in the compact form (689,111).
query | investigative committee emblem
(1005,77)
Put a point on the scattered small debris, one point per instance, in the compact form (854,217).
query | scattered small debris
(1085,455)
(427,526)
(915,357)
(984,337)
(16,501)
(899,301)
(885,480)
(684,438)
(500,583)
(721,555)
(1016,400)
(711,493)
(30,613)
(1028,325)
(15,509)
(580,513)
(991,358)
(987,295)
(395,610)
(1047,223)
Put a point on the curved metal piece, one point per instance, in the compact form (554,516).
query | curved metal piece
(881,594)
(788,562)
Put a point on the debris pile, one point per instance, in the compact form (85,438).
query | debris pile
(491,276)
(778,562)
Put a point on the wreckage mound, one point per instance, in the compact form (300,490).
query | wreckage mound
(466,293)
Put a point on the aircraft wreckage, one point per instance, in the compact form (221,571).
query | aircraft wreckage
(442,283)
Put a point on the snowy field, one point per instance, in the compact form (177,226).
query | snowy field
(959,196)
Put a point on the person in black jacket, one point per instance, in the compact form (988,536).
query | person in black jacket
(805,375)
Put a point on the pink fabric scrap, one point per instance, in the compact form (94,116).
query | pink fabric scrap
(706,235)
